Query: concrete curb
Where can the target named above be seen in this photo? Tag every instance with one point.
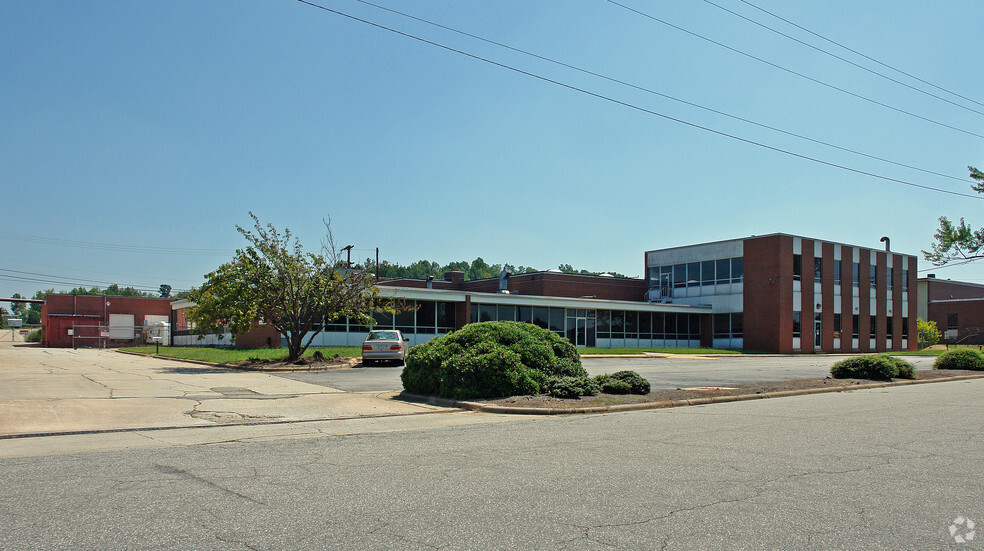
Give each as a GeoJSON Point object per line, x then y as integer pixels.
{"type": "Point", "coordinates": [488, 408]}
{"type": "Point", "coordinates": [258, 368]}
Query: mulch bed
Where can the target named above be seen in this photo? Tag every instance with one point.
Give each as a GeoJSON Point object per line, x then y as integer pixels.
{"type": "Point", "coordinates": [601, 400]}
{"type": "Point", "coordinates": [318, 362]}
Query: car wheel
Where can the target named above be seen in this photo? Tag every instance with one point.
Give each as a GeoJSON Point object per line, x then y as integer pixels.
{"type": "Point", "coordinates": [366, 363]}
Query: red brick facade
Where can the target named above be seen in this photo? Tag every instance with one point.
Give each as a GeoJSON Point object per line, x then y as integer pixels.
{"type": "Point", "coordinates": [84, 315]}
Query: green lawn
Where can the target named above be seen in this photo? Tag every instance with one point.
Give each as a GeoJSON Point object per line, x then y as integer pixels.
{"type": "Point", "coordinates": [584, 351]}
{"type": "Point", "coordinates": [226, 355]}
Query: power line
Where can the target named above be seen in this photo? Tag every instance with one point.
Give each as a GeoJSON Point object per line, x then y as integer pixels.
{"type": "Point", "coordinates": [638, 108]}
{"type": "Point", "coordinates": [52, 279]}
{"type": "Point", "coordinates": [835, 56]}
{"type": "Point", "coordinates": [869, 58]}
{"type": "Point", "coordinates": [662, 95]}
{"type": "Point", "coordinates": [113, 247]}
{"type": "Point", "coordinates": [792, 72]}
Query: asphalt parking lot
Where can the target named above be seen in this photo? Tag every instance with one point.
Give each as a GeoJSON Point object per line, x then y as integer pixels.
{"type": "Point", "coordinates": [670, 372]}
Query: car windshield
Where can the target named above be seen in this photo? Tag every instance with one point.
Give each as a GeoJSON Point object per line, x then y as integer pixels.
{"type": "Point", "coordinates": [383, 336]}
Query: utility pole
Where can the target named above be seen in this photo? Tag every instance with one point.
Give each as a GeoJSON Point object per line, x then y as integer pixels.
{"type": "Point", "coordinates": [348, 261]}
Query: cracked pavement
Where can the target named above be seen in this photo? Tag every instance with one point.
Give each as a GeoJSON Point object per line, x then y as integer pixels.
{"type": "Point", "coordinates": [44, 390]}
{"type": "Point", "coordinates": [871, 469]}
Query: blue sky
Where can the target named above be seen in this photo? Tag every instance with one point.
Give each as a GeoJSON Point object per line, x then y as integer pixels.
{"type": "Point", "coordinates": [157, 126]}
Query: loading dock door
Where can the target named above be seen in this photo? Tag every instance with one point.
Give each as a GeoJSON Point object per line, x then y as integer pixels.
{"type": "Point", "coordinates": [121, 327]}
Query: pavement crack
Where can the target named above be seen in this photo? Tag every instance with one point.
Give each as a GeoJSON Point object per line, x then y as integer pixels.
{"type": "Point", "coordinates": [185, 474]}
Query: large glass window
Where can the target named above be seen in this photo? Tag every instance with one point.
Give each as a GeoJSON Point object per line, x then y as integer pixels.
{"type": "Point", "coordinates": [707, 272]}
{"type": "Point", "coordinates": [888, 328]}
{"type": "Point", "coordinates": [658, 324]}
{"type": "Point", "coordinates": [524, 314]}
{"type": "Point", "coordinates": [507, 312]}
{"type": "Point", "coordinates": [693, 274]}
{"type": "Point", "coordinates": [670, 330]}
{"type": "Point", "coordinates": [384, 320]}
{"type": "Point", "coordinates": [797, 267]}
{"type": "Point", "coordinates": [679, 276]}
{"type": "Point", "coordinates": [487, 312]}
{"type": "Point", "coordinates": [838, 266]}
{"type": "Point", "coordinates": [445, 317]}
{"type": "Point", "coordinates": [737, 269]}
{"type": "Point", "coordinates": [856, 325]}
{"type": "Point", "coordinates": [541, 316]}
{"type": "Point", "coordinates": [426, 316]}
{"type": "Point", "coordinates": [856, 274]}
{"type": "Point", "coordinates": [952, 322]}
{"type": "Point", "coordinates": [631, 325]}
{"type": "Point", "coordinates": [618, 324]}
{"type": "Point", "coordinates": [604, 324]}
{"type": "Point", "coordinates": [405, 320]}
{"type": "Point", "coordinates": [645, 325]}
{"type": "Point", "coordinates": [888, 275]}
{"type": "Point", "coordinates": [723, 268]}
{"type": "Point", "coordinates": [797, 331]}
{"type": "Point", "coordinates": [873, 270]}
{"type": "Point", "coordinates": [873, 327]}
{"type": "Point", "coordinates": [557, 320]}
{"type": "Point", "coordinates": [737, 325]}
{"type": "Point", "coordinates": [905, 328]}
{"type": "Point", "coordinates": [817, 269]}
{"type": "Point", "coordinates": [722, 326]}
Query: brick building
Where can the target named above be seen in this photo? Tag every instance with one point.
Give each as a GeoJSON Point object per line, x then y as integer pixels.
{"type": "Point", "coordinates": [788, 294]}
{"type": "Point", "coordinates": [956, 307]}
{"type": "Point", "coordinates": [103, 321]}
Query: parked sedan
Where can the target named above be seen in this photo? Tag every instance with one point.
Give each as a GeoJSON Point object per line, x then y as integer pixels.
{"type": "Point", "coordinates": [384, 345]}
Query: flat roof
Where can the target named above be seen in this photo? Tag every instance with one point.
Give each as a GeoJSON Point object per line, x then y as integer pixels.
{"type": "Point", "coordinates": [770, 235]}
{"type": "Point", "coordinates": [456, 295]}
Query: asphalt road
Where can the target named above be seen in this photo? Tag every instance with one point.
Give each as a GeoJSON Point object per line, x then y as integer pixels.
{"type": "Point", "coordinates": [878, 469]}
{"type": "Point", "coordinates": [672, 372]}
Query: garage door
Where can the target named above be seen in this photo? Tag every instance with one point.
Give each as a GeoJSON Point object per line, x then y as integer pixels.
{"type": "Point", "coordinates": [121, 327]}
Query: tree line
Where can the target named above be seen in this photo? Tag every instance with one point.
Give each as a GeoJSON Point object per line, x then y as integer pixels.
{"type": "Point", "coordinates": [476, 269]}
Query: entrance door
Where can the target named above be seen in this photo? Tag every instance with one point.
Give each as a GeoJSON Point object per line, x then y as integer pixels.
{"type": "Point", "coordinates": [581, 327]}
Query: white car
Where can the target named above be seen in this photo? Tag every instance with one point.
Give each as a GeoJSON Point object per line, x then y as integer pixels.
{"type": "Point", "coordinates": [384, 345]}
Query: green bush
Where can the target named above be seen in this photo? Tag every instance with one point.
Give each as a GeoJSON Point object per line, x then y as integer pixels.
{"type": "Point", "coordinates": [960, 358]}
{"type": "Point", "coordinates": [873, 366]}
{"type": "Point", "coordinates": [623, 382]}
{"type": "Point", "coordinates": [490, 359]}
{"type": "Point", "coordinates": [571, 387]}
{"type": "Point", "coordinates": [33, 336]}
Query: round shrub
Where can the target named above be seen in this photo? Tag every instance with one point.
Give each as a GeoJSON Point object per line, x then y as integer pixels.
{"type": "Point", "coordinates": [960, 358]}
{"type": "Point", "coordinates": [623, 382]}
{"type": "Point", "coordinates": [489, 360]}
{"type": "Point", "coordinates": [571, 387]}
{"type": "Point", "coordinates": [872, 366]}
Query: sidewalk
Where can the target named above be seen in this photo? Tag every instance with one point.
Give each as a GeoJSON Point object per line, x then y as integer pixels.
{"type": "Point", "coordinates": [51, 390]}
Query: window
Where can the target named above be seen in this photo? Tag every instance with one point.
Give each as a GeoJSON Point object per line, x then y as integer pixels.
{"type": "Point", "coordinates": [838, 266]}
{"type": "Point", "coordinates": [541, 316]}
{"type": "Point", "coordinates": [737, 268]}
{"type": "Point", "coordinates": [446, 320]}
{"type": "Point", "coordinates": [873, 327]}
{"type": "Point", "coordinates": [905, 328]}
{"type": "Point", "coordinates": [671, 326]}
{"type": "Point", "coordinates": [905, 280]}
{"type": "Point", "coordinates": [679, 276]}
{"type": "Point", "coordinates": [426, 318]}
{"type": "Point", "coordinates": [796, 325]}
{"type": "Point", "coordinates": [524, 314]}
{"type": "Point", "coordinates": [952, 322]}
{"type": "Point", "coordinates": [632, 325]}
{"type": "Point", "coordinates": [856, 275]}
{"type": "Point", "coordinates": [557, 321]}
{"type": "Point", "coordinates": [856, 327]}
{"type": "Point", "coordinates": [405, 321]}
{"type": "Point", "coordinates": [817, 269]}
{"type": "Point", "coordinates": [645, 325]}
{"type": "Point", "coordinates": [874, 275]}
{"type": "Point", "coordinates": [797, 267]}
{"type": "Point", "coordinates": [837, 326]}
{"type": "Point", "coordinates": [723, 268]}
{"type": "Point", "coordinates": [737, 325]}
{"type": "Point", "coordinates": [618, 324]}
{"type": "Point", "coordinates": [888, 331]}
{"type": "Point", "coordinates": [604, 328]}
{"type": "Point", "coordinates": [693, 274]}
{"type": "Point", "coordinates": [889, 277]}
{"type": "Point", "coordinates": [658, 324]}
{"type": "Point", "coordinates": [507, 312]}
{"type": "Point", "coordinates": [722, 326]}
{"type": "Point", "coordinates": [707, 272]}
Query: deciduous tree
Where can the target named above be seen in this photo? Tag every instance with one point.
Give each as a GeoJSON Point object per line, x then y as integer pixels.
{"type": "Point", "coordinates": [274, 281]}
{"type": "Point", "coordinates": [958, 241]}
